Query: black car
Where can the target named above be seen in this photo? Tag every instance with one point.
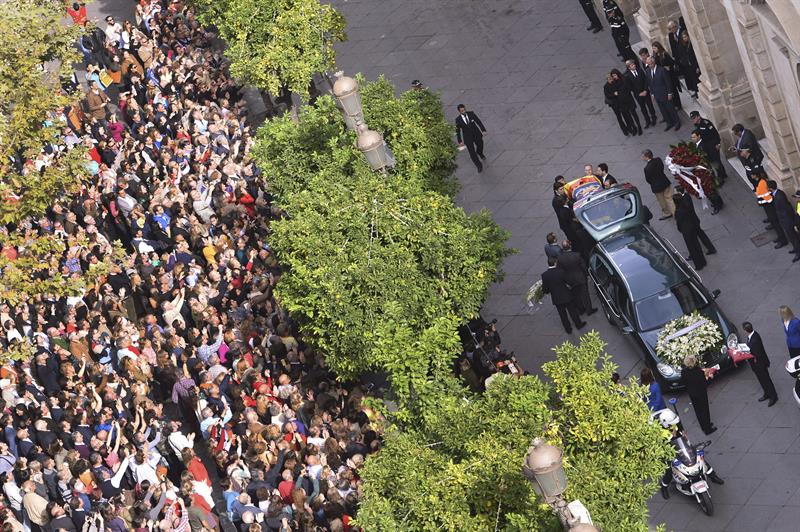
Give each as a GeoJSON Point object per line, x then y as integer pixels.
{"type": "Point", "coordinates": [643, 282]}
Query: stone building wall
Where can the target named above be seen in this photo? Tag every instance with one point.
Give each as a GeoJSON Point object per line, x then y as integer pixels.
{"type": "Point", "coordinates": [749, 53]}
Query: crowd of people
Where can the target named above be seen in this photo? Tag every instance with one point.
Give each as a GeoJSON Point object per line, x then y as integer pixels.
{"type": "Point", "coordinates": [175, 393]}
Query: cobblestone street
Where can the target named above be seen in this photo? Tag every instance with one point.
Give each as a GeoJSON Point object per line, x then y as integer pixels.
{"type": "Point", "coordinates": [534, 76]}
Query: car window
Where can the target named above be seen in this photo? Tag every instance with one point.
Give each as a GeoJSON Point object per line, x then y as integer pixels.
{"type": "Point", "coordinates": [609, 212]}
{"type": "Point", "coordinates": [655, 311]}
{"type": "Point", "coordinates": [602, 273]}
{"type": "Point", "coordinates": [622, 300]}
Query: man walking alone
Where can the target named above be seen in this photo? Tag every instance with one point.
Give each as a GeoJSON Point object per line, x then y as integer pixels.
{"type": "Point", "coordinates": [659, 183]}
{"type": "Point", "coordinates": [469, 131]}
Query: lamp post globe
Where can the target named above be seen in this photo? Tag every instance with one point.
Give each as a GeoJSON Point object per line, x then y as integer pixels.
{"type": "Point", "coordinates": [371, 144]}
{"type": "Point", "coordinates": [345, 90]}
{"type": "Point", "coordinates": [544, 467]}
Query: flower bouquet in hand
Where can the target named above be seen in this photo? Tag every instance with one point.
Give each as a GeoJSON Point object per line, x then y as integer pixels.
{"type": "Point", "coordinates": [534, 297]}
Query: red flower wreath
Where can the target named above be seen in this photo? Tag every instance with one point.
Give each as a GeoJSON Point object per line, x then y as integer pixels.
{"type": "Point", "coordinates": [687, 154]}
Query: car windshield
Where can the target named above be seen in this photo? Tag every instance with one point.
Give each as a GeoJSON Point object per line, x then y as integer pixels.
{"type": "Point", "coordinates": [684, 451]}
{"type": "Point", "coordinates": [655, 311]}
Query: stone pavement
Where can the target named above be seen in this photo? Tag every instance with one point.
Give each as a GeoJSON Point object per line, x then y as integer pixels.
{"type": "Point", "coordinates": [534, 76]}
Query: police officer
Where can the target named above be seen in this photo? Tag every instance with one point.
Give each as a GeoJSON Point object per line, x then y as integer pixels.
{"type": "Point", "coordinates": [621, 34]}
{"type": "Point", "coordinates": [594, 22]}
{"type": "Point", "coordinates": [712, 141]}
{"type": "Point", "coordinates": [752, 164]}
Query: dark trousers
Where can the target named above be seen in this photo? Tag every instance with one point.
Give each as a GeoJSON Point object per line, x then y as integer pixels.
{"type": "Point", "coordinates": [568, 309]}
{"type": "Point", "coordinates": [719, 168]}
{"type": "Point", "coordinates": [700, 404]}
{"type": "Point", "coordinates": [588, 8]}
{"type": "Point", "coordinates": [791, 236]}
{"type": "Point", "coordinates": [580, 295]}
{"type": "Point", "coordinates": [648, 111]}
{"type": "Point", "coordinates": [628, 119]}
{"type": "Point", "coordinates": [475, 149]}
{"type": "Point", "coordinates": [622, 38]}
{"type": "Point", "coordinates": [691, 238]}
{"type": "Point", "coordinates": [762, 374]}
{"type": "Point", "coordinates": [705, 240]}
{"type": "Point", "coordinates": [668, 112]}
{"type": "Point", "coordinates": [772, 216]}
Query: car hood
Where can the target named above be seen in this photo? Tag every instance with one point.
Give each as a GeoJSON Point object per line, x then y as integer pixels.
{"type": "Point", "coordinates": [711, 312]}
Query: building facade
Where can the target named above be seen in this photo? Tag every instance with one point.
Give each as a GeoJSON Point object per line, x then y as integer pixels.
{"type": "Point", "coordinates": [749, 55]}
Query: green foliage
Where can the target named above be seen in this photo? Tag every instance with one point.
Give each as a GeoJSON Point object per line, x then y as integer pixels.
{"type": "Point", "coordinates": [612, 451]}
{"type": "Point", "coordinates": [461, 470]}
{"type": "Point", "coordinates": [381, 270]}
{"type": "Point", "coordinates": [276, 43]}
{"type": "Point", "coordinates": [38, 51]}
{"type": "Point", "coordinates": [475, 446]}
{"type": "Point", "coordinates": [36, 271]}
{"type": "Point", "coordinates": [415, 127]}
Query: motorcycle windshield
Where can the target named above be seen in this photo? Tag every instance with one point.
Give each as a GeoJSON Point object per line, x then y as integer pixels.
{"type": "Point", "coordinates": [685, 452]}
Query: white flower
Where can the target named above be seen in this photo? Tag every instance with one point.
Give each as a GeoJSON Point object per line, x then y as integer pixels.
{"type": "Point", "coordinates": [535, 293]}
{"type": "Point", "coordinates": [688, 334]}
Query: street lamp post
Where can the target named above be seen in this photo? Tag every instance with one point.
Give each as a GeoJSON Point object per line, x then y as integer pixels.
{"type": "Point", "coordinates": [544, 467]}
{"type": "Point", "coordinates": [369, 142]}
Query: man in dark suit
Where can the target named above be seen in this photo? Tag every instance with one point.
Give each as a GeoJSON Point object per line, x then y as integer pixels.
{"type": "Point", "coordinates": [660, 85]}
{"type": "Point", "coordinates": [637, 81]}
{"type": "Point", "coordinates": [576, 274]}
{"type": "Point", "coordinates": [554, 283]}
{"type": "Point", "coordinates": [760, 364]}
{"type": "Point", "coordinates": [659, 183]}
{"type": "Point", "coordinates": [746, 139]}
{"type": "Point", "coordinates": [470, 131]}
{"type": "Point", "coordinates": [689, 227]}
{"type": "Point", "coordinates": [591, 14]}
{"type": "Point", "coordinates": [787, 217]}
{"type": "Point", "coordinates": [712, 141]}
{"type": "Point", "coordinates": [675, 31]}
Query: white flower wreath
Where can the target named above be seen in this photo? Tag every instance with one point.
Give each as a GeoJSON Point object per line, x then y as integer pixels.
{"type": "Point", "coordinates": [689, 334]}
{"type": "Point", "coordinates": [535, 293]}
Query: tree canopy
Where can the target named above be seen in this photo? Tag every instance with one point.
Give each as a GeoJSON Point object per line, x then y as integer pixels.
{"type": "Point", "coordinates": [274, 44]}
{"type": "Point", "coordinates": [381, 270]}
{"type": "Point", "coordinates": [460, 468]}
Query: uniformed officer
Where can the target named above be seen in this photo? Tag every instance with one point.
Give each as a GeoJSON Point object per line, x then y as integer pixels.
{"type": "Point", "coordinates": [594, 22]}
{"type": "Point", "coordinates": [752, 164]}
{"type": "Point", "coordinates": [621, 33]}
{"type": "Point", "coordinates": [711, 138]}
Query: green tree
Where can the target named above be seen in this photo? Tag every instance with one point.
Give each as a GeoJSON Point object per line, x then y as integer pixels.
{"type": "Point", "coordinates": [38, 52]}
{"type": "Point", "coordinates": [461, 463]}
{"type": "Point", "coordinates": [276, 44]}
{"type": "Point", "coordinates": [381, 269]}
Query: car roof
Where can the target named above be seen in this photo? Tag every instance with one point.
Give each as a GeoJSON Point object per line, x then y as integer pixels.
{"type": "Point", "coordinates": [644, 263]}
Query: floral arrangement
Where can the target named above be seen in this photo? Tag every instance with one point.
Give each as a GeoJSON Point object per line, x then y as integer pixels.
{"type": "Point", "coordinates": [534, 296]}
{"type": "Point", "coordinates": [689, 334]}
{"type": "Point", "coordinates": [688, 155]}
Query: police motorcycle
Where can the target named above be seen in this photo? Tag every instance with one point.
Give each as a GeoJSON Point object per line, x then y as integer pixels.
{"type": "Point", "coordinates": [793, 369]}
{"type": "Point", "coordinates": [689, 471]}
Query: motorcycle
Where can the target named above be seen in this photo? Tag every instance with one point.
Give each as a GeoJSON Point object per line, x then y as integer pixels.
{"type": "Point", "coordinates": [689, 471]}
{"type": "Point", "coordinates": [793, 369]}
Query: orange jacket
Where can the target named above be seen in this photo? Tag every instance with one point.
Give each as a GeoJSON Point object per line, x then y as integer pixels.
{"type": "Point", "coordinates": [763, 195]}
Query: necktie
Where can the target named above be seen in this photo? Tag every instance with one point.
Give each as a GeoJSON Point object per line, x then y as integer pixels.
{"type": "Point", "coordinates": [635, 75]}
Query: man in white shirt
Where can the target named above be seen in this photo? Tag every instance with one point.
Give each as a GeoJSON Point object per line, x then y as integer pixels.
{"type": "Point", "coordinates": [113, 31]}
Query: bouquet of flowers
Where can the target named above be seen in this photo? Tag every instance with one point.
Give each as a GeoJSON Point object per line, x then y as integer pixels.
{"type": "Point", "coordinates": [534, 296]}
{"type": "Point", "coordinates": [689, 334]}
{"type": "Point", "coordinates": [689, 156]}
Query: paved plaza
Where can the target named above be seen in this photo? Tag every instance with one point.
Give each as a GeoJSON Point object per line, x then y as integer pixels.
{"type": "Point", "coordinates": [534, 76]}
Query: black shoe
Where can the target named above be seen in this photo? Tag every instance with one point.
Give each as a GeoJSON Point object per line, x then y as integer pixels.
{"type": "Point", "coordinates": [779, 245]}
{"type": "Point", "coordinates": [580, 325]}
{"type": "Point", "coordinates": [711, 251]}
{"type": "Point", "coordinates": [762, 398]}
{"type": "Point", "coordinates": [765, 221]}
{"type": "Point", "coordinates": [597, 29]}
{"type": "Point", "coordinates": [665, 492]}
{"type": "Point", "coordinates": [482, 156]}
{"type": "Point", "coordinates": [713, 477]}
{"type": "Point", "coordinates": [591, 27]}
{"type": "Point", "coordinates": [569, 331]}
{"type": "Point", "coordinates": [769, 227]}
{"type": "Point", "coordinates": [678, 126]}
{"type": "Point", "coordinates": [714, 211]}
{"type": "Point", "coordinates": [669, 126]}
{"type": "Point", "coordinates": [712, 431]}
{"type": "Point", "coordinates": [796, 258]}
{"type": "Point", "coordinates": [625, 133]}
{"type": "Point", "coordinates": [593, 310]}
{"type": "Point", "coordinates": [480, 169]}
{"type": "Point", "coordinates": [772, 402]}
{"type": "Point", "coordinates": [640, 130]}
{"type": "Point", "coordinates": [667, 217]}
